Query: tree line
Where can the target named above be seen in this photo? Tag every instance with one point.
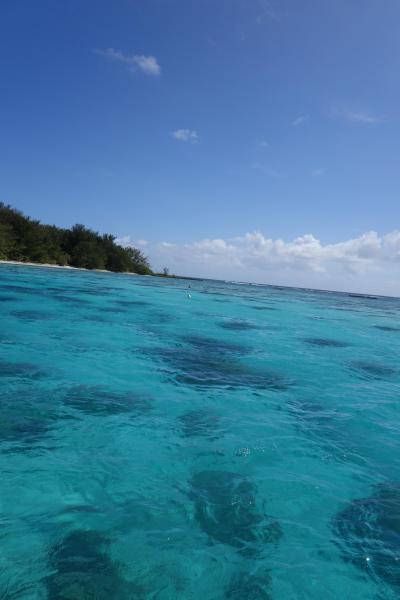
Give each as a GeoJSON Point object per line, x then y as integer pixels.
{"type": "Point", "coordinates": [27, 240]}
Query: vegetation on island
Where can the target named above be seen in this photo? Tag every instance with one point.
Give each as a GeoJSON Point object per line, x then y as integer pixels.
{"type": "Point", "coordinates": [26, 240]}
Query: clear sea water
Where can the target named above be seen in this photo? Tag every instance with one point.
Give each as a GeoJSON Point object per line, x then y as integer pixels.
{"type": "Point", "coordinates": [239, 444]}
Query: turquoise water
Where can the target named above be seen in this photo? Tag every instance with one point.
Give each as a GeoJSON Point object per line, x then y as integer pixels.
{"type": "Point", "coordinates": [239, 444]}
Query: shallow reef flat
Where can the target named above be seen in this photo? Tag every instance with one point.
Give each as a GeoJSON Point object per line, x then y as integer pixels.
{"type": "Point", "coordinates": [239, 444]}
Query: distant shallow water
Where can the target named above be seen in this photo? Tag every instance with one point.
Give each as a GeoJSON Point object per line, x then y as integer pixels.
{"type": "Point", "coordinates": [242, 443]}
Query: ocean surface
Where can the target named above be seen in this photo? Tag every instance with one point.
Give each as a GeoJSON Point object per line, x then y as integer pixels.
{"type": "Point", "coordinates": [241, 443]}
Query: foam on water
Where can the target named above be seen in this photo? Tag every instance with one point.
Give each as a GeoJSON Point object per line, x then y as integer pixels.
{"type": "Point", "coordinates": [241, 443]}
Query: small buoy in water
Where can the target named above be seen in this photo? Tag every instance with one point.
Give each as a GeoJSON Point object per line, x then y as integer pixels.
{"type": "Point", "coordinates": [189, 296]}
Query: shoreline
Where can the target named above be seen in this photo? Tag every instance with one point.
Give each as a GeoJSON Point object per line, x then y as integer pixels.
{"type": "Point", "coordinates": [188, 278]}
{"type": "Point", "coordinates": [68, 267]}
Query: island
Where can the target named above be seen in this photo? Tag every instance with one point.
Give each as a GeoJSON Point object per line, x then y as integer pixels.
{"type": "Point", "coordinates": [26, 240]}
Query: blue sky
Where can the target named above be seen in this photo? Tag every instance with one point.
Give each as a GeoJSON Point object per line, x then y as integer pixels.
{"type": "Point", "coordinates": [195, 122]}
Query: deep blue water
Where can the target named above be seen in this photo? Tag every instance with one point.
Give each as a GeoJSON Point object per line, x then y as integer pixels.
{"type": "Point", "coordinates": [239, 444]}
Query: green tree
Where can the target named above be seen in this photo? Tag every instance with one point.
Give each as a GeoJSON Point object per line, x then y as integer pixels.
{"type": "Point", "coordinates": [139, 262]}
{"type": "Point", "coordinates": [25, 239]}
{"type": "Point", "coordinates": [89, 255]}
{"type": "Point", "coordinates": [7, 241]}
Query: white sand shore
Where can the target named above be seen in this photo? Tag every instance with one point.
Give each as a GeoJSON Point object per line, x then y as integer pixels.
{"type": "Point", "coordinates": [31, 264]}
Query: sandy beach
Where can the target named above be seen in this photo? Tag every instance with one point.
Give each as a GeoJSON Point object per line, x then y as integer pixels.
{"type": "Point", "coordinates": [69, 268]}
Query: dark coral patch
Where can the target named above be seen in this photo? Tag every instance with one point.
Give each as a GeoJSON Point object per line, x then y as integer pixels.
{"type": "Point", "coordinates": [20, 370]}
{"type": "Point", "coordinates": [20, 289]}
{"type": "Point", "coordinates": [111, 309]}
{"type": "Point", "coordinates": [387, 328]}
{"type": "Point", "coordinates": [200, 423]}
{"type": "Point", "coordinates": [244, 586]}
{"type": "Point", "coordinates": [132, 303]}
{"type": "Point", "coordinates": [207, 368]}
{"type": "Point", "coordinates": [226, 510]}
{"type": "Point", "coordinates": [72, 300]}
{"type": "Point", "coordinates": [150, 319]}
{"type": "Point", "coordinates": [217, 346]}
{"type": "Point", "coordinates": [26, 422]}
{"type": "Point", "coordinates": [96, 318]}
{"type": "Point", "coordinates": [96, 291]}
{"type": "Point", "coordinates": [28, 428]}
{"type": "Point", "coordinates": [33, 315]}
{"type": "Point", "coordinates": [237, 325]}
{"type": "Point", "coordinates": [368, 533]}
{"type": "Point", "coordinates": [102, 402]}
{"type": "Point", "coordinates": [373, 370]}
{"type": "Point", "coordinates": [82, 569]}
{"type": "Point", "coordinates": [325, 342]}
{"type": "Point", "coordinates": [9, 298]}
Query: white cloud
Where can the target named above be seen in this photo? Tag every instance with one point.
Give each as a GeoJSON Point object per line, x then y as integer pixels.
{"type": "Point", "coordinates": [186, 135]}
{"type": "Point", "coordinates": [299, 121]}
{"type": "Point", "coordinates": [368, 263]}
{"type": "Point", "coordinates": [360, 117]}
{"type": "Point", "coordinates": [126, 241]}
{"type": "Point", "coordinates": [146, 64]}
